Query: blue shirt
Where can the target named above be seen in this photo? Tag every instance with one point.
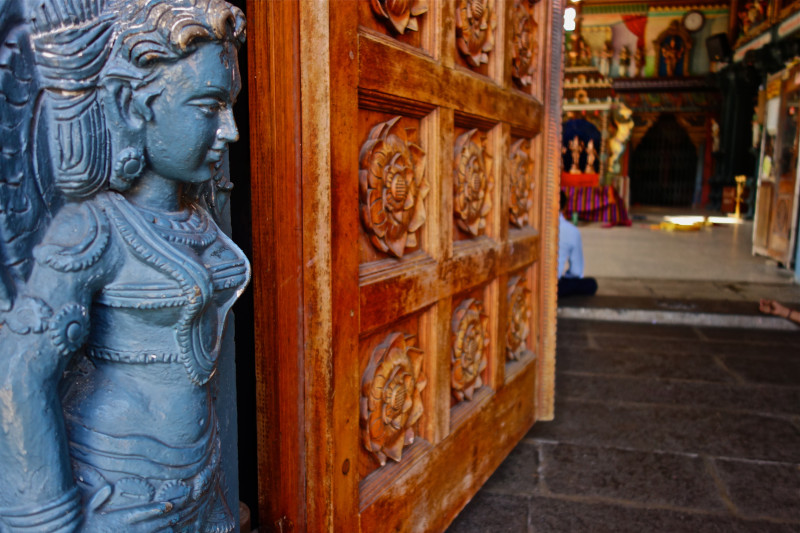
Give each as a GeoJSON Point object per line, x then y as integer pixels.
{"type": "Point", "coordinates": [570, 249]}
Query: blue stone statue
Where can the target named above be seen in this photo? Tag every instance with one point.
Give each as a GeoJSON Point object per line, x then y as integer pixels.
{"type": "Point", "coordinates": [115, 279]}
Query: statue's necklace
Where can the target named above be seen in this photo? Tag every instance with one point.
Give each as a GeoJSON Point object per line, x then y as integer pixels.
{"type": "Point", "coordinates": [188, 226]}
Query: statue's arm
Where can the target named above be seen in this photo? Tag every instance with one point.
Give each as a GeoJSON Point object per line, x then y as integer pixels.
{"type": "Point", "coordinates": [48, 322]}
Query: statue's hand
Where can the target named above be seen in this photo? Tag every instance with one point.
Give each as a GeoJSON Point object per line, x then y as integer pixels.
{"type": "Point", "coordinates": [146, 518]}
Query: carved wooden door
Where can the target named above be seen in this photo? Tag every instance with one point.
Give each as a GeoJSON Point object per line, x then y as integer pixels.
{"type": "Point", "coordinates": [414, 225]}
{"type": "Point", "coordinates": [784, 212]}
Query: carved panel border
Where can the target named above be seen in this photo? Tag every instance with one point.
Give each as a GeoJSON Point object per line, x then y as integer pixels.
{"type": "Point", "coordinates": [386, 296]}
{"type": "Point", "coordinates": [411, 77]}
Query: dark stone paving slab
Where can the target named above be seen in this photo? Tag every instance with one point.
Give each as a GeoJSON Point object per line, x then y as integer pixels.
{"type": "Point", "coordinates": [663, 479]}
{"type": "Point", "coordinates": [766, 399]}
{"type": "Point", "coordinates": [753, 350]}
{"type": "Point", "coordinates": [646, 364]}
{"type": "Point", "coordinates": [629, 329]}
{"type": "Point", "coordinates": [661, 428]}
{"type": "Point", "coordinates": [573, 345]}
{"type": "Point", "coordinates": [746, 335]}
{"type": "Point", "coordinates": [551, 515]}
{"type": "Point", "coordinates": [740, 307]}
{"type": "Point", "coordinates": [762, 370]}
{"type": "Point", "coordinates": [519, 473]}
{"type": "Point", "coordinates": [762, 489]}
{"type": "Point", "coordinates": [657, 429]}
{"type": "Point", "coordinates": [491, 513]}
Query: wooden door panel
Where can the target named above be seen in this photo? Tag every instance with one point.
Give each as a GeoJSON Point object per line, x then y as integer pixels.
{"type": "Point", "coordinates": [763, 217]}
{"type": "Point", "coordinates": [427, 176]}
{"type": "Point", "coordinates": [782, 226]}
{"type": "Point", "coordinates": [457, 300]}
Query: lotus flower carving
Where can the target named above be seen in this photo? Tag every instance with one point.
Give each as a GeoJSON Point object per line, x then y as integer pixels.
{"type": "Point", "coordinates": [392, 188]}
{"type": "Point", "coordinates": [391, 399]}
{"type": "Point", "coordinates": [520, 170]}
{"type": "Point", "coordinates": [475, 25]}
{"type": "Point", "coordinates": [400, 15]}
{"type": "Point", "coordinates": [472, 183]}
{"type": "Point", "coordinates": [525, 45]}
{"type": "Point", "coordinates": [470, 344]}
{"type": "Point", "coordinates": [519, 317]}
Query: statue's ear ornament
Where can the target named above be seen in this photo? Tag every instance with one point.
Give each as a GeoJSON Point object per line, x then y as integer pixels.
{"type": "Point", "coordinates": [128, 166]}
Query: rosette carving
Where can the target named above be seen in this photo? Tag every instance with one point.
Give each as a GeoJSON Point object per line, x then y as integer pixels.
{"type": "Point", "coordinates": [475, 25]}
{"type": "Point", "coordinates": [391, 400]}
{"type": "Point", "coordinates": [519, 316]}
{"type": "Point", "coordinates": [471, 339]}
{"type": "Point", "coordinates": [472, 182]}
{"type": "Point", "coordinates": [401, 15]}
{"type": "Point", "coordinates": [392, 188]}
{"type": "Point", "coordinates": [525, 47]}
{"type": "Point", "coordinates": [520, 170]}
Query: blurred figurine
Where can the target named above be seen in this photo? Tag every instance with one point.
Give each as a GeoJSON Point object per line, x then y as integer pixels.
{"type": "Point", "coordinates": [623, 118]}
{"type": "Point", "coordinates": [714, 136]}
{"type": "Point", "coordinates": [586, 54]}
{"type": "Point", "coordinates": [575, 148]}
{"type": "Point", "coordinates": [672, 53]}
{"type": "Point", "coordinates": [751, 15]}
{"type": "Point", "coordinates": [591, 157]}
{"type": "Point", "coordinates": [638, 62]}
{"type": "Point", "coordinates": [624, 61]}
{"type": "Point", "coordinates": [605, 59]}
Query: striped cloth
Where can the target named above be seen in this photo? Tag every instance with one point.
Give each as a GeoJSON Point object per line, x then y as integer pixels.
{"type": "Point", "coordinates": [596, 204]}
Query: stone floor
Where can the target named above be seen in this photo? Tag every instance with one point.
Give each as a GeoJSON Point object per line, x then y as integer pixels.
{"type": "Point", "coordinates": [662, 428]}
{"type": "Point", "coordinates": [721, 253]}
{"type": "Point", "coordinates": [658, 429]}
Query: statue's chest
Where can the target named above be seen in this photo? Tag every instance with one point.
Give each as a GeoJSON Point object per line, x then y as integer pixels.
{"type": "Point", "coordinates": [178, 276]}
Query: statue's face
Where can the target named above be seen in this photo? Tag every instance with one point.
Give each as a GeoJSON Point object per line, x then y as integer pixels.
{"type": "Point", "coordinates": [192, 117]}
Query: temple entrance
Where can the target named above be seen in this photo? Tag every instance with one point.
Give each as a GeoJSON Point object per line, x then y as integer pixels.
{"type": "Point", "coordinates": [664, 166]}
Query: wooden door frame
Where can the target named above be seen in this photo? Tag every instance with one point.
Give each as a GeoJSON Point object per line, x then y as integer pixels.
{"type": "Point", "coordinates": [296, 113]}
{"type": "Point", "coordinates": [276, 197]}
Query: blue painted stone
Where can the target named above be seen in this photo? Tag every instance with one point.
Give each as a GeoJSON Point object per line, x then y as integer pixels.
{"type": "Point", "coordinates": [116, 280]}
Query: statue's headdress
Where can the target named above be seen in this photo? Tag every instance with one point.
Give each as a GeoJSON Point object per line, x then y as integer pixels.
{"type": "Point", "coordinates": [79, 44]}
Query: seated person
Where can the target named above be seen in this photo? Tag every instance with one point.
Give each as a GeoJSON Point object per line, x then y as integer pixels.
{"type": "Point", "coordinates": [570, 250]}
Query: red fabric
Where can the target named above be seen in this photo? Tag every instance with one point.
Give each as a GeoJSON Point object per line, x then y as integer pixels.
{"type": "Point", "coordinates": [596, 204]}
{"type": "Point", "coordinates": [579, 180]}
{"type": "Point", "coordinates": [636, 24]}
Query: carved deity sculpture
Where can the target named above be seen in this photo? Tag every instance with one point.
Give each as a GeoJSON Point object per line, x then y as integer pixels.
{"type": "Point", "coordinates": [751, 15]}
{"type": "Point", "coordinates": [624, 62]}
{"type": "Point", "coordinates": [672, 52]}
{"type": "Point", "coordinates": [606, 54]}
{"type": "Point", "coordinates": [591, 157]}
{"type": "Point", "coordinates": [116, 280]}
{"type": "Point", "coordinates": [638, 62]}
{"type": "Point", "coordinates": [576, 148]}
{"type": "Point", "coordinates": [623, 120]}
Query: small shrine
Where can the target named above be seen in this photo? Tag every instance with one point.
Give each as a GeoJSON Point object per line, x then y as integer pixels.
{"type": "Point", "coordinates": [636, 79]}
